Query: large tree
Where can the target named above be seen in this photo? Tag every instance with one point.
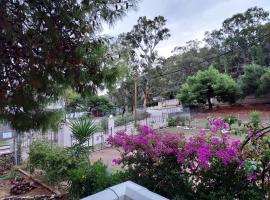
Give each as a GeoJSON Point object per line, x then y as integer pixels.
{"type": "Point", "coordinates": [142, 41]}
{"type": "Point", "coordinates": [201, 87]}
{"type": "Point", "coordinates": [264, 87]}
{"type": "Point", "coordinates": [250, 81]}
{"type": "Point", "coordinates": [46, 46]}
{"type": "Point", "coordinates": [243, 35]}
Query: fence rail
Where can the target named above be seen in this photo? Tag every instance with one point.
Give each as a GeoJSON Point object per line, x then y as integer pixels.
{"type": "Point", "coordinates": [63, 137]}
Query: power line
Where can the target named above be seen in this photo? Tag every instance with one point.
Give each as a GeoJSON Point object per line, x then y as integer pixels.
{"type": "Point", "coordinates": [213, 57]}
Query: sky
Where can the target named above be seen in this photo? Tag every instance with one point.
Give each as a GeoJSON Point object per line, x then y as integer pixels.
{"type": "Point", "coordinates": [186, 19]}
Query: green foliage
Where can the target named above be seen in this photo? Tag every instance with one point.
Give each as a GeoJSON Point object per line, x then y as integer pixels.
{"type": "Point", "coordinates": [221, 182]}
{"type": "Point", "coordinates": [104, 124]}
{"type": "Point", "coordinates": [53, 160]}
{"type": "Point", "coordinates": [255, 121]}
{"type": "Point", "coordinates": [175, 121]}
{"type": "Point", "coordinates": [141, 43]}
{"type": "Point", "coordinates": [250, 81]}
{"type": "Point", "coordinates": [205, 85]}
{"type": "Point", "coordinates": [89, 179]}
{"type": "Point", "coordinates": [120, 121]}
{"type": "Point", "coordinates": [89, 103]}
{"type": "Point", "coordinates": [172, 122]}
{"type": "Point", "coordinates": [61, 164]}
{"type": "Point", "coordinates": [247, 31]}
{"type": "Point", "coordinates": [265, 83]}
{"type": "Point", "coordinates": [9, 176]}
{"type": "Point", "coordinates": [82, 130]}
{"type": "Point", "coordinates": [51, 46]}
{"type": "Point", "coordinates": [231, 120]}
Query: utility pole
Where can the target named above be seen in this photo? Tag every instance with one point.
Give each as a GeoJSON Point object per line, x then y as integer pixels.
{"type": "Point", "coordinates": [135, 99]}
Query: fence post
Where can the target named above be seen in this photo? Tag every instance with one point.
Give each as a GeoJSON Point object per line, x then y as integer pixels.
{"type": "Point", "coordinates": [111, 124]}
{"type": "Point", "coordinates": [125, 119]}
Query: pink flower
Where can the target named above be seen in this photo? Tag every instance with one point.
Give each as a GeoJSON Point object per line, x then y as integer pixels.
{"type": "Point", "coordinates": [251, 177]}
{"type": "Point", "coordinates": [227, 155]}
{"type": "Point", "coordinates": [204, 154]}
{"type": "Point", "coordinates": [116, 161]}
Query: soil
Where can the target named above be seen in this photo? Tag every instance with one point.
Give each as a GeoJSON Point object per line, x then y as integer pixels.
{"type": "Point", "coordinates": [5, 186]}
{"type": "Point", "coordinates": [106, 155]}
{"type": "Point", "coordinates": [198, 120]}
{"type": "Point", "coordinates": [241, 111]}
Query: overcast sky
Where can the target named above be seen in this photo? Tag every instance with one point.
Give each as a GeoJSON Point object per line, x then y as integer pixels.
{"type": "Point", "coordinates": [186, 19]}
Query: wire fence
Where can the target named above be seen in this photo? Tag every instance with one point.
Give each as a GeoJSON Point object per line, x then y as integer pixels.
{"type": "Point", "coordinates": [63, 136]}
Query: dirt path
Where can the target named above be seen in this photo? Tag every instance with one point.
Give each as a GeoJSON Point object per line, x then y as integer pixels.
{"type": "Point", "coordinates": [106, 155]}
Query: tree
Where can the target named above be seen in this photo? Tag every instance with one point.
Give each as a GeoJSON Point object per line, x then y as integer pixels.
{"type": "Point", "coordinates": [47, 46]}
{"type": "Point", "coordinates": [265, 83]}
{"type": "Point", "coordinates": [205, 85]}
{"type": "Point", "coordinates": [250, 81]}
{"type": "Point", "coordinates": [82, 130]}
{"type": "Point", "coordinates": [243, 35]}
{"type": "Point", "coordinates": [142, 41]}
{"type": "Point", "coordinates": [89, 104]}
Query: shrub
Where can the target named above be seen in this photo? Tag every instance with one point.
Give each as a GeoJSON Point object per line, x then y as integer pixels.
{"type": "Point", "coordinates": [120, 121]}
{"type": "Point", "coordinates": [61, 165]}
{"type": "Point", "coordinates": [255, 121]}
{"type": "Point", "coordinates": [231, 120]}
{"type": "Point", "coordinates": [250, 81]}
{"type": "Point", "coordinates": [172, 122]}
{"type": "Point", "coordinates": [181, 121]}
{"type": "Point", "coordinates": [53, 160]}
{"type": "Point", "coordinates": [89, 179]}
{"type": "Point", "coordinates": [206, 166]}
{"type": "Point", "coordinates": [146, 154]}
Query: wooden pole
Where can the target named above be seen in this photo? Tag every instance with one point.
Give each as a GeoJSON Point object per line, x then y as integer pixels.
{"type": "Point", "coordinates": [135, 100]}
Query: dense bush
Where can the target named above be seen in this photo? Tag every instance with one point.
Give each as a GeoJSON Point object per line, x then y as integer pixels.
{"type": "Point", "coordinates": [177, 121]}
{"type": "Point", "coordinates": [120, 121]}
{"type": "Point", "coordinates": [255, 80]}
{"type": "Point", "coordinates": [60, 164]}
{"type": "Point", "coordinates": [210, 165]}
{"type": "Point", "coordinates": [88, 179]}
{"type": "Point", "coordinates": [53, 160]}
{"type": "Point", "coordinates": [172, 122]}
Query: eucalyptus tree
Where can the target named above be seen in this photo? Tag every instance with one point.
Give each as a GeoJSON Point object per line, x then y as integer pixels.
{"type": "Point", "coordinates": [142, 41]}
{"type": "Point", "coordinates": [243, 35]}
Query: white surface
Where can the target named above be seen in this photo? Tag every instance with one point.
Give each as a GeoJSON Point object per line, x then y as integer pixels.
{"type": "Point", "coordinates": [7, 135]}
{"type": "Point", "coordinates": [127, 189]}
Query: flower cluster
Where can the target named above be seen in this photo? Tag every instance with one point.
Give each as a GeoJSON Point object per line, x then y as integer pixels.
{"type": "Point", "coordinates": [218, 124]}
{"type": "Point", "coordinates": [197, 153]}
{"type": "Point", "coordinates": [168, 162]}
{"type": "Point", "coordinates": [148, 144]}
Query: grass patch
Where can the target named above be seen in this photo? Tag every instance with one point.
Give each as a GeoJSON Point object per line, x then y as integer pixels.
{"type": "Point", "coordinates": [10, 175]}
{"type": "Point", "coordinates": [4, 143]}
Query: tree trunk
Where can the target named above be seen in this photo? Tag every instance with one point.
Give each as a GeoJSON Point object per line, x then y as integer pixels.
{"type": "Point", "coordinates": [145, 98]}
{"type": "Point", "coordinates": [210, 104]}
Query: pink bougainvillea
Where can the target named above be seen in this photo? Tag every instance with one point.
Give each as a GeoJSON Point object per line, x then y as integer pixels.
{"type": "Point", "coordinates": [198, 152]}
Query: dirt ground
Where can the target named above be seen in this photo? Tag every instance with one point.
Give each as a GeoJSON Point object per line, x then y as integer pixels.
{"type": "Point", "coordinates": [106, 155]}
{"type": "Point", "coordinates": [198, 121]}
{"type": "Point", "coordinates": [5, 186]}
{"type": "Point", "coordinates": [241, 111]}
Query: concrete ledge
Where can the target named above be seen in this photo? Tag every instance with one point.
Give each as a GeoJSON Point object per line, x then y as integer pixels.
{"type": "Point", "coordinates": [126, 191]}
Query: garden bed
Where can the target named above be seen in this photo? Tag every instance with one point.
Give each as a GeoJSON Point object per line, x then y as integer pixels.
{"type": "Point", "coordinates": [35, 189]}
